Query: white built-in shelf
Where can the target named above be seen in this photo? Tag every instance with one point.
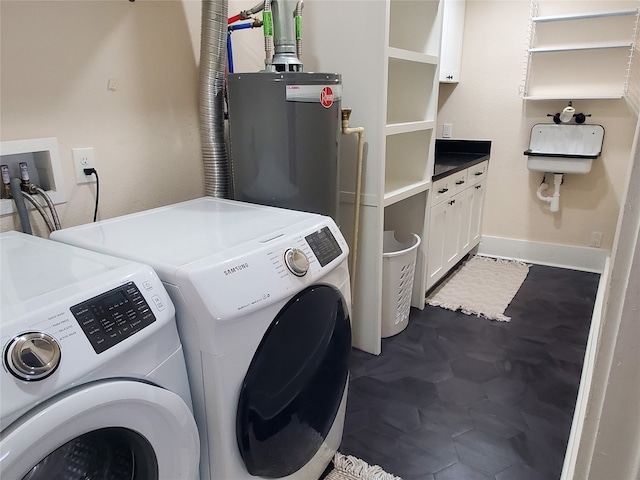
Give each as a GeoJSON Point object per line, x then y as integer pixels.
{"type": "Point", "coordinates": [584, 16]}
{"type": "Point", "coordinates": [407, 127]}
{"type": "Point", "coordinates": [397, 191]}
{"type": "Point", "coordinates": [411, 56]}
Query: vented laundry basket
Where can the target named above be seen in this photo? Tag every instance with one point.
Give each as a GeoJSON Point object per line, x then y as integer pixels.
{"type": "Point", "coordinates": [398, 268]}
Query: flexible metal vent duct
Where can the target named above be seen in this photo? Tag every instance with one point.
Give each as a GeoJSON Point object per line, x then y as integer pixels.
{"type": "Point", "coordinates": [213, 41]}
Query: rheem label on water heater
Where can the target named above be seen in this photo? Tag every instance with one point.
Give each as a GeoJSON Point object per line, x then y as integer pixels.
{"type": "Point", "coordinates": [326, 95]}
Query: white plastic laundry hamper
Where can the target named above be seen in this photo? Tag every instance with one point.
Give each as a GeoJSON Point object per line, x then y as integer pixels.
{"type": "Point", "coordinates": [398, 268]}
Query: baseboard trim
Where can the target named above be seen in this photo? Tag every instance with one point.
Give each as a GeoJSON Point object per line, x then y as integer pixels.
{"type": "Point", "coordinates": [580, 412]}
{"type": "Point", "coordinates": [585, 259]}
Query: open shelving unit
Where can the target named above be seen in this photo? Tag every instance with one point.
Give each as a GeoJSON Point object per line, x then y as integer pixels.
{"type": "Point", "coordinates": [580, 55]}
{"type": "Point", "coordinates": [390, 67]}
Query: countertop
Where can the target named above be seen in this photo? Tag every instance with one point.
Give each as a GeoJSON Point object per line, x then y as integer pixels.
{"type": "Point", "coordinates": [455, 155]}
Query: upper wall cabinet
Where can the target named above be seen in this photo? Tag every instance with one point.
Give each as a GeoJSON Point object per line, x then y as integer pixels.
{"type": "Point", "coordinates": [580, 54]}
{"type": "Point", "coordinates": [452, 36]}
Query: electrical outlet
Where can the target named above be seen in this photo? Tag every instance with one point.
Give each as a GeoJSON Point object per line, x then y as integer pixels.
{"type": "Point", "coordinates": [596, 239]}
{"type": "Point", "coordinates": [447, 129]}
{"type": "Point", "coordinates": [84, 158]}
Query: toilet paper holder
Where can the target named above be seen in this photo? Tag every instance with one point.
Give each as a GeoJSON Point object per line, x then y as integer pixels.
{"type": "Point", "coordinates": [567, 114]}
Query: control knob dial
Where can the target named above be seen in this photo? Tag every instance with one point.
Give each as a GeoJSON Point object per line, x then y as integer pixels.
{"type": "Point", "coordinates": [296, 261]}
{"type": "Point", "coordinates": [32, 356]}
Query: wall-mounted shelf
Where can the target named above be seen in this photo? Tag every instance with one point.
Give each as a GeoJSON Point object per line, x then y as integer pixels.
{"type": "Point", "coordinates": [576, 55]}
{"type": "Point", "coordinates": [586, 15]}
{"type": "Point", "coordinates": [574, 97]}
{"type": "Point", "coordinates": [586, 46]}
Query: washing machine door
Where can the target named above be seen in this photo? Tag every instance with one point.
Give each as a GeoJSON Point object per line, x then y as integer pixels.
{"type": "Point", "coordinates": [112, 429]}
{"type": "Point", "coordinates": [295, 382]}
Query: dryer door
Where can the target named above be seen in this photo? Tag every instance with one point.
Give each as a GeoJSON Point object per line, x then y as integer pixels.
{"type": "Point", "coordinates": [292, 391]}
{"type": "Point", "coordinates": [114, 429]}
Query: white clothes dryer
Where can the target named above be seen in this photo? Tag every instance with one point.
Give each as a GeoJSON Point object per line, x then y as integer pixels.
{"type": "Point", "coordinates": [93, 376]}
{"type": "Point", "coordinates": [262, 299]}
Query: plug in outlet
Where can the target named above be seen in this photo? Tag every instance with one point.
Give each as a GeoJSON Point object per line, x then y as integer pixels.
{"type": "Point", "coordinates": [84, 158]}
{"type": "Point", "coordinates": [596, 239]}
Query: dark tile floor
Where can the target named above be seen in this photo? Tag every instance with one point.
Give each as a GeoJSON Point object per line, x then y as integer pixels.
{"type": "Point", "coordinates": [457, 397]}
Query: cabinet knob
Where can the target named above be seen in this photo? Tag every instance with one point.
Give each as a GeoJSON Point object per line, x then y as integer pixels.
{"type": "Point", "coordinates": [443, 190]}
{"type": "Point", "coordinates": [459, 182]}
{"type": "Point", "coordinates": [452, 202]}
{"type": "Point", "coordinates": [478, 187]}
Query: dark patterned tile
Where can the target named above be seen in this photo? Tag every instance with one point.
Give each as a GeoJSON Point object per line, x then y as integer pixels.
{"type": "Point", "coordinates": [446, 418]}
{"type": "Point", "coordinates": [474, 370]}
{"type": "Point", "coordinates": [433, 372]}
{"type": "Point", "coordinates": [460, 392]}
{"type": "Point", "coordinates": [460, 471]}
{"type": "Point", "coordinates": [414, 391]}
{"type": "Point", "coordinates": [547, 419]}
{"type": "Point", "coordinates": [545, 454]}
{"type": "Point", "coordinates": [434, 450]}
{"type": "Point", "coordinates": [501, 420]}
{"type": "Point", "coordinates": [505, 390]}
{"type": "Point", "coordinates": [523, 472]}
{"type": "Point", "coordinates": [406, 409]}
{"type": "Point", "coordinates": [568, 352]}
{"type": "Point", "coordinates": [394, 418]}
{"type": "Point", "coordinates": [485, 452]}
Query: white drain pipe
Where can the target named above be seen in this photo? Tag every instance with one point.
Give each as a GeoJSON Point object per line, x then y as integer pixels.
{"type": "Point", "coordinates": [555, 199]}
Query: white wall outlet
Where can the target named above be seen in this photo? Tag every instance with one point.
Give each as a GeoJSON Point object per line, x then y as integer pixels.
{"type": "Point", "coordinates": [84, 158]}
{"type": "Point", "coordinates": [447, 130]}
{"type": "Point", "coordinates": [596, 239]}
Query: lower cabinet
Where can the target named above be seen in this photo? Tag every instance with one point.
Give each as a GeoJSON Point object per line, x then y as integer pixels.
{"type": "Point", "coordinates": [455, 220]}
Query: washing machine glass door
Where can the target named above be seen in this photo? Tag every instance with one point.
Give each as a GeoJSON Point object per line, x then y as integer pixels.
{"type": "Point", "coordinates": [293, 387]}
{"type": "Point", "coordinates": [118, 429]}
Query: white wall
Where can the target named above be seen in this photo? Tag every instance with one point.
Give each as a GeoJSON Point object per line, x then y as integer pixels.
{"type": "Point", "coordinates": [610, 446]}
{"type": "Point", "coordinates": [56, 60]}
{"type": "Point", "coordinates": [486, 104]}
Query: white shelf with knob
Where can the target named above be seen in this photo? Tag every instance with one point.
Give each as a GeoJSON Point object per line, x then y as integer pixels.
{"type": "Point", "coordinates": [390, 66]}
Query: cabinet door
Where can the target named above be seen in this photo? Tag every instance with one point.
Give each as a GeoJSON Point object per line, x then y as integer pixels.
{"type": "Point", "coordinates": [436, 265]}
{"type": "Point", "coordinates": [464, 236]}
{"type": "Point", "coordinates": [453, 219]}
{"type": "Point", "coordinates": [452, 35]}
{"type": "Point", "coordinates": [476, 200]}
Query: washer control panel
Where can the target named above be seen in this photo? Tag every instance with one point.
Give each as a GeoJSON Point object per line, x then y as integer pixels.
{"type": "Point", "coordinates": [113, 316]}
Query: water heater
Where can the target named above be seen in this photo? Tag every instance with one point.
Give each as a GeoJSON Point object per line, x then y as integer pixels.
{"type": "Point", "coordinates": [284, 131]}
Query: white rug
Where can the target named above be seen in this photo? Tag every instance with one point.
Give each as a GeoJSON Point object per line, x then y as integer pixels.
{"type": "Point", "coordinates": [482, 286]}
{"type": "Point", "coordinates": [346, 467]}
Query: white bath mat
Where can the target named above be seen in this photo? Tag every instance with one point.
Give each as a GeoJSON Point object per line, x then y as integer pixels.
{"type": "Point", "coordinates": [482, 286]}
{"type": "Point", "coordinates": [347, 467]}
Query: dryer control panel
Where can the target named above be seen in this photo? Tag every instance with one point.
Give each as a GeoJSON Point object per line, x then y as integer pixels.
{"type": "Point", "coordinates": [109, 318]}
{"type": "Point", "coordinates": [324, 246]}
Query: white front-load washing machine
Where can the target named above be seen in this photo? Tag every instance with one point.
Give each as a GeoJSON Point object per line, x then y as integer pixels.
{"type": "Point", "coordinates": [262, 300]}
{"type": "Point", "coordinates": [93, 379]}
